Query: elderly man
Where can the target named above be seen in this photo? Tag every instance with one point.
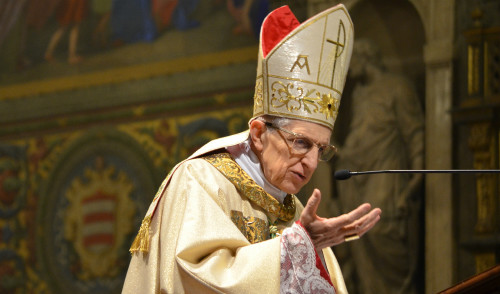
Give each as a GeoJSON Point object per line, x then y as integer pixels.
{"type": "Point", "coordinates": [225, 220]}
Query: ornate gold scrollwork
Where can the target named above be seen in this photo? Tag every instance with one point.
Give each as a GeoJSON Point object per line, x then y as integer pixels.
{"type": "Point", "coordinates": [296, 99]}
{"type": "Point", "coordinates": [258, 96]}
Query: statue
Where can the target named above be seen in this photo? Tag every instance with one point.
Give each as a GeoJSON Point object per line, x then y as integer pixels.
{"type": "Point", "coordinates": [386, 132]}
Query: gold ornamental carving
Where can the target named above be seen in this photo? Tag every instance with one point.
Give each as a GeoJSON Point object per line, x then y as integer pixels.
{"type": "Point", "coordinates": [484, 261]}
{"type": "Point", "coordinates": [482, 143]}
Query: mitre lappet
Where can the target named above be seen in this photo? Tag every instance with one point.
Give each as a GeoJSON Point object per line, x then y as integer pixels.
{"type": "Point", "coordinates": [302, 68]}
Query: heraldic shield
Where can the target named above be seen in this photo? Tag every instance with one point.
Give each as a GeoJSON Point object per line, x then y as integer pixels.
{"type": "Point", "coordinates": [98, 219]}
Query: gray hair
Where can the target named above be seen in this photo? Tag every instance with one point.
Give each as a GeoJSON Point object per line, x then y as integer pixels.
{"type": "Point", "coordinates": [277, 121]}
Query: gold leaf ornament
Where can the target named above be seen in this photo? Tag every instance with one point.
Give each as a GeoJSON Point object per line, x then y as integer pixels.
{"type": "Point", "coordinates": [327, 104]}
{"type": "Point", "coordinates": [258, 96]}
{"type": "Point", "coordinates": [294, 99]}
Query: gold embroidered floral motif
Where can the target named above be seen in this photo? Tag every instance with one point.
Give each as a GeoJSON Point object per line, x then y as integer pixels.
{"type": "Point", "coordinates": [297, 99]}
{"type": "Point", "coordinates": [253, 228]}
{"type": "Point", "coordinates": [258, 96]}
{"type": "Point", "coordinates": [327, 104]}
{"type": "Point", "coordinates": [247, 187]}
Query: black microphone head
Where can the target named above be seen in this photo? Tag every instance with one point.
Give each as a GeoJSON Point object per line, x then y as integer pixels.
{"type": "Point", "coordinates": [342, 174]}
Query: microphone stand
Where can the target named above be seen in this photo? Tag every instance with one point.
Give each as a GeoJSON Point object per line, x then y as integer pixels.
{"type": "Point", "coordinates": [344, 174]}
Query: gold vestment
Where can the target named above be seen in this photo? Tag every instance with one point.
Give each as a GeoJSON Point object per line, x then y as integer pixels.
{"type": "Point", "coordinates": [203, 236]}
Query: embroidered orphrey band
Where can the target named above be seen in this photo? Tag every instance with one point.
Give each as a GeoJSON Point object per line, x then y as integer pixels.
{"type": "Point", "coordinates": [249, 188]}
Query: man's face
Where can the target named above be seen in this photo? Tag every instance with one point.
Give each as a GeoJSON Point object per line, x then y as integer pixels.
{"type": "Point", "coordinates": [282, 166]}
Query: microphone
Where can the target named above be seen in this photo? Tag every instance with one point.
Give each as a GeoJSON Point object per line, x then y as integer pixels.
{"type": "Point", "coordinates": [344, 174]}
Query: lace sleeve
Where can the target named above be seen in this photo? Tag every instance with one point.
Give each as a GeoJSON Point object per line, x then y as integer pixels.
{"type": "Point", "coordinates": [301, 267]}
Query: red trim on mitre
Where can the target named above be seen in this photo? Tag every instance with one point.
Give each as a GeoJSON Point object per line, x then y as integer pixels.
{"type": "Point", "coordinates": [277, 25]}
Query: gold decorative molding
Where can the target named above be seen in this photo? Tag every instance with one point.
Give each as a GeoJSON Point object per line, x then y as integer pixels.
{"type": "Point", "coordinates": [482, 143]}
{"type": "Point", "coordinates": [484, 261]}
{"type": "Point", "coordinates": [473, 77]}
{"type": "Point", "coordinates": [483, 50]}
{"type": "Point", "coordinates": [129, 73]}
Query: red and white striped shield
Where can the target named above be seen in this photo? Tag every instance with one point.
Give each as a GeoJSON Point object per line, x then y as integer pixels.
{"type": "Point", "coordinates": [98, 221]}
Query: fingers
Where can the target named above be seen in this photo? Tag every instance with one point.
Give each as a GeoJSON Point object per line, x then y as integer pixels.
{"type": "Point", "coordinates": [333, 231]}
{"type": "Point", "coordinates": [373, 218]}
{"type": "Point", "coordinates": [312, 204]}
{"type": "Point", "coordinates": [347, 227]}
{"type": "Point", "coordinates": [308, 215]}
{"type": "Point", "coordinates": [350, 218]}
{"type": "Point", "coordinates": [344, 224]}
{"type": "Point", "coordinates": [363, 224]}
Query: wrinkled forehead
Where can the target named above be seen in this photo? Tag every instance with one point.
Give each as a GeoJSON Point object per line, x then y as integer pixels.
{"type": "Point", "coordinates": [314, 131]}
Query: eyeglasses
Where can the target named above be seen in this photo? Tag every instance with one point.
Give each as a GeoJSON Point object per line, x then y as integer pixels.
{"type": "Point", "coordinates": [302, 145]}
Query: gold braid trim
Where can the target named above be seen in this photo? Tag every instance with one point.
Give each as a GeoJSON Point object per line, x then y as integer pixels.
{"type": "Point", "coordinates": [141, 241]}
{"type": "Point", "coordinates": [247, 186]}
{"type": "Point", "coordinates": [253, 228]}
{"type": "Point", "coordinates": [243, 183]}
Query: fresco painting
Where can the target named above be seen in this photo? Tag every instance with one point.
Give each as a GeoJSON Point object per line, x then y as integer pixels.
{"type": "Point", "coordinates": [43, 39]}
{"type": "Point", "coordinates": [98, 101]}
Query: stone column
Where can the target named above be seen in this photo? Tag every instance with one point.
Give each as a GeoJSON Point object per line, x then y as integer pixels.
{"type": "Point", "coordinates": [438, 18]}
{"type": "Point", "coordinates": [439, 237]}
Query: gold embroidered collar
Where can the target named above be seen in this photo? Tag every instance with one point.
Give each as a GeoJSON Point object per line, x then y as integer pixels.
{"type": "Point", "coordinates": [248, 187]}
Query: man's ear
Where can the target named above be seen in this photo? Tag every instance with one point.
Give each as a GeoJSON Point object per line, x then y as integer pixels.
{"type": "Point", "coordinates": [257, 129]}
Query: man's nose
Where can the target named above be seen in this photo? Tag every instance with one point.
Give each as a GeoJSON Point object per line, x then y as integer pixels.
{"type": "Point", "coordinates": [311, 158]}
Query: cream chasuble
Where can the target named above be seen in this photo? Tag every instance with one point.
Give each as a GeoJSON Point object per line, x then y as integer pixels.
{"type": "Point", "coordinates": [208, 231]}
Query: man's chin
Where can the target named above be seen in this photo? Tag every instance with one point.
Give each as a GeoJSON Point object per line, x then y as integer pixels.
{"type": "Point", "coordinates": [292, 189]}
{"type": "Point", "coordinates": [292, 184]}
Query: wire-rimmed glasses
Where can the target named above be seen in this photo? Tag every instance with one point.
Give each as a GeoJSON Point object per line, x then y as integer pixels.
{"type": "Point", "coordinates": [301, 144]}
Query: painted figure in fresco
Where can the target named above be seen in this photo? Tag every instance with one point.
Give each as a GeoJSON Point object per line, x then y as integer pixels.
{"type": "Point", "coordinates": [176, 13]}
{"type": "Point", "coordinates": [248, 14]}
{"type": "Point", "coordinates": [141, 20]}
{"type": "Point", "coordinates": [69, 14]}
{"type": "Point", "coordinates": [101, 8]}
{"type": "Point", "coordinates": [386, 132]}
{"type": "Point", "coordinates": [162, 12]}
{"type": "Point", "coordinates": [27, 14]}
{"type": "Point", "coordinates": [181, 17]}
{"type": "Point", "coordinates": [226, 220]}
{"type": "Point", "coordinates": [132, 21]}
{"type": "Point", "coordinates": [9, 14]}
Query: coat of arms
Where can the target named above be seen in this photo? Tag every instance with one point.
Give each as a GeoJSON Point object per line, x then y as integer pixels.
{"type": "Point", "coordinates": [98, 219]}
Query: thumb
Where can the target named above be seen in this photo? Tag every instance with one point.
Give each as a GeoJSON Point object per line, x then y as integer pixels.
{"type": "Point", "coordinates": [313, 203]}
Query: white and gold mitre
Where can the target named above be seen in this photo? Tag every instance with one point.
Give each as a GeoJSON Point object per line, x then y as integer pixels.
{"type": "Point", "coordinates": [302, 68]}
